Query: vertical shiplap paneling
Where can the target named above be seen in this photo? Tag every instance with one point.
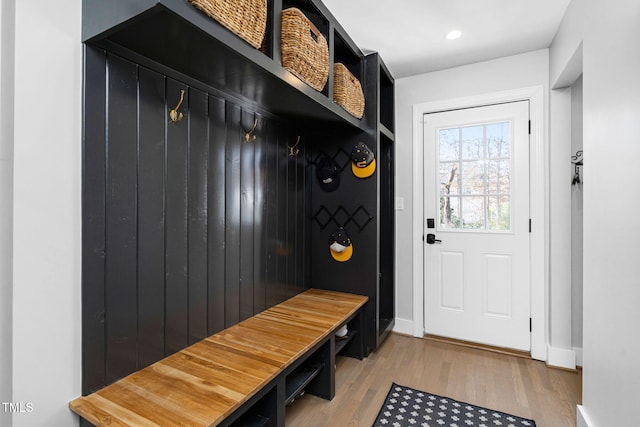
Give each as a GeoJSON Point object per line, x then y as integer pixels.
{"type": "Point", "coordinates": [247, 209]}
{"type": "Point", "coordinates": [121, 220]}
{"type": "Point", "coordinates": [151, 171]}
{"type": "Point", "coordinates": [198, 203]}
{"type": "Point", "coordinates": [259, 217]}
{"type": "Point", "coordinates": [93, 221]}
{"type": "Point", "coordinates": [234, 142]}
{"type": "Point", "coordinates": [176, 227]}
{"type": "Point", "coordinates": [187, 227]}
{"type": "Point", "coordinates": [282, 235]}
{"type": "Point", "coordinates": [216, 223]}
{"type": "Point", "coordinates": [301, 218]}
{"type": "Point", "coordinates": [270, 234]}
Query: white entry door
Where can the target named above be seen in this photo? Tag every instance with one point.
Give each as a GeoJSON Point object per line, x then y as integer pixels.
{"type": "Point", "coordinates": [476, 205]}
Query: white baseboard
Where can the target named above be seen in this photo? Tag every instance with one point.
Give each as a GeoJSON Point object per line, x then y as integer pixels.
{"type": "Point", "coordinates": [561, 358]}
{"type": "Point", "coordinates": [582, 420]}
{"type": "Point", "coordinates": [403, 326]}
{"type": "Point", "coordinates": [578, 352]}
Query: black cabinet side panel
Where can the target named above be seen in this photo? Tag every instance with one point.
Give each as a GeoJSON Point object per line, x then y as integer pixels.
{"type": "Point", "coordinates": [93, 221]}
{"type": "Point", "coordinates": [151, 200]}
{"type": "Point", "coordinates": [121, 220]}
{"type": "Point", "coordinates": [216, 209]}
{"type": "Point", "coordinates": [176, 287]}
{"type": "Point", "coordinates": [197, 229]}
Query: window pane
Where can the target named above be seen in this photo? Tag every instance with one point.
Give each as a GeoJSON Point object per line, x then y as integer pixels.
{"type": "Point", "coordinates": [498, 177]}
{"type": "Point", "coordinates": [473, 213]}
{"type": "Point", "coordinates": [473, 142]}
{"type": "Point", "coordinates": [449, 144]}
{"type": "Point", "coordinates": [449, 212]}
{"type": "Point", "coordinates": [449, 178]}
{"type": "Point", "coordinates": [473, 177]}
{"type": "Point", "coordinates": [499, 213]}
{"type": "Point", "coordinates": [498, 140]}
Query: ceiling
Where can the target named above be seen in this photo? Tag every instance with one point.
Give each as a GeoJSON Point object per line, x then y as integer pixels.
{"type": "Point", "coordinates": [410, 36]}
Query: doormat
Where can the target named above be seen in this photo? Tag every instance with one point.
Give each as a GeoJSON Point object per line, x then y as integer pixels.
{"type": "Point", "coordinates": [405, 406]}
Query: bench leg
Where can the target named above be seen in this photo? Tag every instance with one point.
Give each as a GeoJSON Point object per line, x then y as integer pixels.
{"type": "Point", "coordinates": [324, 384]}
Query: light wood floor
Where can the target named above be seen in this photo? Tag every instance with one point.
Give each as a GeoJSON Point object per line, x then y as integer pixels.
{"type": "Point", "coordinates": [511, 384]}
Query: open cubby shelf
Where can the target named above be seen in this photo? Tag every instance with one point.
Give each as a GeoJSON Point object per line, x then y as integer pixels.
{"type": "Point", "coordinates": [300, 378]}
{"type": "Point", "coordinates": [341, 342]}
{"type": "Point", "coordinates": [177, 36]}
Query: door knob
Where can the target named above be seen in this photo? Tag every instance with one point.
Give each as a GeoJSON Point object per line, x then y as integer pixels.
{"type": "Point", "coordinates": [431, 239]}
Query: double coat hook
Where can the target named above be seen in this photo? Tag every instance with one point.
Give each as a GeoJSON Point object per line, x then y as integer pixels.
{"type": "Point", "coordinates": [174, 115]}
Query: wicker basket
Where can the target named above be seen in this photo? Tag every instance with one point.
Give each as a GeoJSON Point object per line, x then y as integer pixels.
{"type": "Point", "coordinates": [246, 18]}
{"type": "Point", "coordinates": [347, 91]}
{"type": "Point", "coordinates": [304, 49]}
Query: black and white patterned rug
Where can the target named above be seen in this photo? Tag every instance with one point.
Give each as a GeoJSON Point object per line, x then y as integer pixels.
{"type": "Point", "coordinates": [407, 407]}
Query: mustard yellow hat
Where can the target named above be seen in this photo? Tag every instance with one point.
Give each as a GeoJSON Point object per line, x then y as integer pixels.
{"type": "Point", "coordinates": [363, 161]}
{"type": "Point", "coordinates": [340, 245]}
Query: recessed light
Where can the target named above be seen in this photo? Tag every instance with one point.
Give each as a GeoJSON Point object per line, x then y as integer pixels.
{"type": "Point", "coordinates": [452, 35]}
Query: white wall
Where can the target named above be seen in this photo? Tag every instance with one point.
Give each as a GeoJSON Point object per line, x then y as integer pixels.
{"type": "Point", "coordinates": [46, 211]}
{"type": "Point", "coordinates": [560, 351]}
{"type": "Point", "coordinates": [576, 224]}
{"type": "Point", "coordinates": [565, 52]}
{"type": "Point", "coordinates": [6, 205]}
{"type": "Point", "coordinates": [611, 200]}
{"type": "Point", "coordinates": [514, 72]}
{"type": "Point", "coordinates": [565, 67]}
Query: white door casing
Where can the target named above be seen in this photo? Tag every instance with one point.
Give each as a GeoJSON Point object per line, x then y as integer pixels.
{"type": "Point", "coordinates": [538, 205]}
{"type": "Point", "coordinates": [476, 192]}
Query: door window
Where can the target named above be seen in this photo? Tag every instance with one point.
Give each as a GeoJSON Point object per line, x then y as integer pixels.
{"type": "Point", "coordinates": [475, 165]}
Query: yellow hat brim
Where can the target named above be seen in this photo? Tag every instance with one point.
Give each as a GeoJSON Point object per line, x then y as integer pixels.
{"type": "Point", "coordinates": [364, 172]}
{"type": "Point", "coordinates": [342, 256]}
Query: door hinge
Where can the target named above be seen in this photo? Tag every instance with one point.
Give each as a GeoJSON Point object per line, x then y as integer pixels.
{"type": "Point", "coordinates": [529, 127]}
{"type": "Point", "coordinates": [529, 225]}
{"type": "Point", "coordinates": [530, 325]}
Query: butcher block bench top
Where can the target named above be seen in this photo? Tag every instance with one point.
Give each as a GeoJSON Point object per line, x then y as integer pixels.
{"type": "Point", "coordinates": [207, 381]}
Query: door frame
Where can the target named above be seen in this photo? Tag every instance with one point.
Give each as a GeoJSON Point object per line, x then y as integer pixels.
{"type": "Point", "coordinates": [538, 202]}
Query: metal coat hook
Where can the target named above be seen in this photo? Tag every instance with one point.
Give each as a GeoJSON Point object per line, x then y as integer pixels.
{"type": "Point", "coordinates": [293, 151]}
{"type": "Point", "coordinates": [577, 162]}
{"type": "Point", "coordinates": [174, 115]}
{"type": "Point", "coordinates": [248, 133]}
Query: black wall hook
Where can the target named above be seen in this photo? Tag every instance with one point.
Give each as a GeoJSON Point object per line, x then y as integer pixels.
{"type": "Point", "coordinates": [577, 162]}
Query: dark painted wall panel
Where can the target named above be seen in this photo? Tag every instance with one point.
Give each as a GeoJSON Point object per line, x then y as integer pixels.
{"type": "Point", "coordinates": [151, 199]}
{"type": "Point", "coordinates": [216, 209]}
{"type": "Point", "coordinates": [121, 220]}
{"type": "Point", "coordinates": [187, 227]}
{"type": "Point", "coordinates": [247, 209]}
{"type": "Point", "coordinates": [176, 253]}
{"type": "Point", "coordinates": [198, 204]}
{"type": "Point", "coordinates": [232, 215]}
{"type": "Point", "coordinates": [93, 221]}
{"type": "Point", "coordinates": [259, 216]}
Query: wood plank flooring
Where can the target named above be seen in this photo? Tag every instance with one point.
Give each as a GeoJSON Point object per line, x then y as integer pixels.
{"type": "Point", "coordinates": [511, 384]}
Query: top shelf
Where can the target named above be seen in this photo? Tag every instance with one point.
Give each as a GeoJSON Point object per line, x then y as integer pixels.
{"type": "Point", "coordinates": [174, 34]}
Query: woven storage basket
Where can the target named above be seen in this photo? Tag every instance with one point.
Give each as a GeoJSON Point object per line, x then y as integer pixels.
{"type": "Point", "coordinates": [304, 49]}
{"type": "Point", "coordinates": [246, 18]}
{"type": "Point", "coordinates": [347, 91]}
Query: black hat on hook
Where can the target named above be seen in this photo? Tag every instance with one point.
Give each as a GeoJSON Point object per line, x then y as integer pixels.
{"type": "Point", "coordinates": [327, 174]}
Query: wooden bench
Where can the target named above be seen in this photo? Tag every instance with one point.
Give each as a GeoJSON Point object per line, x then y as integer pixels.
{"type": "Point", "coordinates": [243, 375]}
